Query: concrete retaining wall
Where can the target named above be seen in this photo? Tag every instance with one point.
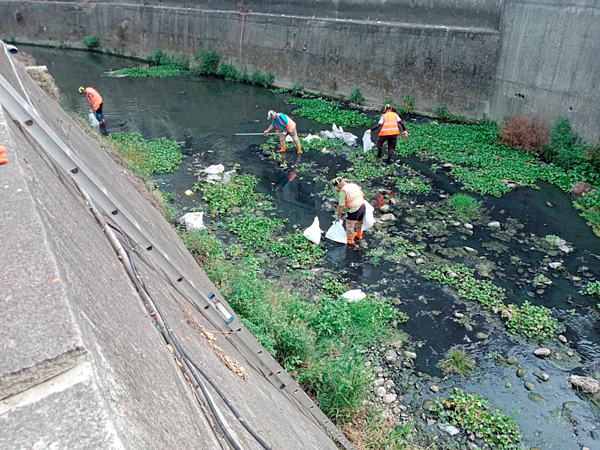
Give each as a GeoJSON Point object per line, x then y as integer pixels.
{"type": "Point", "coordinates": [490, 57]}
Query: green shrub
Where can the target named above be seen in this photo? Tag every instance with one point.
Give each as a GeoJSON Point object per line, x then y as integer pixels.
{"type": "Point", "coordinates": [473, 413]}
{"type": "Point", "coordinates": [464, 206]}
{"type": "Point", "coordinates": [208, 62]}
{"type": "Point", "coordinates": [91, 41]}
{"type": "Point", "coordinates": [229, 72]}
{"type": "Point", "coordinates": [564, 149]}
{"type": "Point", "coordinates": [456, 360]}
{"type": "Point", "coordinates": [357, 97]}
{"type": "Point", "coordinates": [408, 105]}
{"type": "Point", "coordinates": [205, 247]}
{"type": "Point", "coordinates": [297, 89]}
{"type": "Point", "coordinates": [593, 156]}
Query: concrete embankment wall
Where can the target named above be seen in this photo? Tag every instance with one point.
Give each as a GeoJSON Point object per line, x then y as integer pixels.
{"type": "Point", "coordinates": [82, 364]}
{"type": "Point", "coordinates": [492, 57]}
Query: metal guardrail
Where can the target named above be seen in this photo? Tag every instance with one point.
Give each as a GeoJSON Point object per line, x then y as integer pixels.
{"type": "Point", "coordinates": [213, 306]}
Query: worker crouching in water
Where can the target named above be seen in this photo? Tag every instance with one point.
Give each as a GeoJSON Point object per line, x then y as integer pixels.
{"type": "Point", "coordinates": [285, 126]}
{"type": "Point", "coordinates": [353, 198]}
{"type": "Point", "coordinates": [96, 101]}
{"type": "Point", "coordinates": [390, 124]}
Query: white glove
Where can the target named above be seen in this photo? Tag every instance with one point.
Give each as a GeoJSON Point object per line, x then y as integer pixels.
{"type": "Point", "coordinates": [368, 131]}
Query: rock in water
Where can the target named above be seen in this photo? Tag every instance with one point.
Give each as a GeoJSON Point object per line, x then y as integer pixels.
{"type": "Point", "coordinates": [451, 430]}
{"type": "Point", "coordinates": [542, 352]}
{"type": "Point", "coordinates": [385, 208]}
{"type": "Point", "coordinates": [585, 385]}
{"type": "Point", "coordinates": [387, 217]}
{"type": "Point", "coordinates": [494, 224]}
{"type": "Point", "coordinates": [579, 189]}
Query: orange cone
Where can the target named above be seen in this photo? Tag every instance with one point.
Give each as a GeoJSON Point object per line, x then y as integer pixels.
{"type": "Point", "coordinates": [3, 157]}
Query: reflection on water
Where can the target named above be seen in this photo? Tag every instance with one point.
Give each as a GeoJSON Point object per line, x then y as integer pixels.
{"type": "Point", "coordinates": [204, 113]}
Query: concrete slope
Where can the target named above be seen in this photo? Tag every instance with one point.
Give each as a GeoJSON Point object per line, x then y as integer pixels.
{"type": "Point", "coordinates": [82, 365]}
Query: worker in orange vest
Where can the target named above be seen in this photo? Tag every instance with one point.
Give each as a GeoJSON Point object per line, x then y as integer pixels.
{"type": "Point", "coordinates": [352, 198]}
{"type": "Point", "coordinates": [390, 124]}
{"type": "Point", "coordinates": [96, 101]}
{"type": "Point", "coordinates": [3, 157]}
{"type": "Point", "coordinates": [286, 127]}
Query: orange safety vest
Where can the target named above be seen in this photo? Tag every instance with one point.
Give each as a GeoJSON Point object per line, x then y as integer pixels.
{"type": "Point", "coordinates": [390, 124]}
{"type": "Point", "coordinates": [354, 195]}
{"type": "Point", "coordinates": [93, 97]}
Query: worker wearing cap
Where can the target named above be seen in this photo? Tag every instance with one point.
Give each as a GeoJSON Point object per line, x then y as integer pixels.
{"type": "Point", "coordinates": [285, 127]}
{"type": "Point", "coordinates": [351, 197]}
{"type": "Point", "coordinates": [390, 124]}
{"type": "Point", "coordinates": [96, 101]}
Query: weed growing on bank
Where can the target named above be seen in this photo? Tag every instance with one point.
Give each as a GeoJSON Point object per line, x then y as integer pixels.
{"type": "Point", "coordinates": [357, 97]}
{"type": "Point", "coordinates": [328, 112]}
{"type": "Point", "coordinates": [91, 41]}
{"type": "Point", "coordinates": [474, 413]}
{"type": "Point", "coordinates": [456, 360]}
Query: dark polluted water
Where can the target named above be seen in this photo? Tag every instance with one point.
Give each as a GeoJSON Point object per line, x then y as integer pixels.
{"type": "Point", "coordinates": [205, 113]}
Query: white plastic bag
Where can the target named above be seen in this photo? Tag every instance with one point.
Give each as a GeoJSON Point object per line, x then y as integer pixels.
{"type": "Point", "coordinates": [349, 139]}
{"type": "Point", "coordinates": [213, 178]}
{"type": "Point", "coordinates": [367, 143]}
{"type": "Point", "coordinates": [193, 221]}
{"type": "Point", "coordinates": [214, 170]}
{"type": "Point", "coordinates": [337, 132]}
{"type": "Point", "coordinates": [313, 233]}
{"type": "Point", "coordinates": [354, 295]}
{"type": "Point", "coordinates": [337, 233]}
{"type": "Point", "coordinates": [369, 219]}
{"type": "Point", "coordinates": [311, 137]}
{"type": "Point", "coordinates": [93, 120]}
{"type": "Point", "coordinates": [288, 138]}
{"type": "Point", "coordinates": [328, 134]}
{"type": "Point", "coordinates": [227, 176]}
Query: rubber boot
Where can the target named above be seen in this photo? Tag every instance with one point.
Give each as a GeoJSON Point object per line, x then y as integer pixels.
{"type": "Point", "coordinates": [3, 157]}
{"type": "Point", "coordinates": [299, 148]}
{"type": "Point", "coordinates": [379, 153]}
{"type": "Point", "coordinates": [282, 149]}
{"type": "Point", "coordinates": [388, 160]}
{"type": "Point", "coordinates": [359, 232]}
{"type": "Point", "coordinates": [350, 233]}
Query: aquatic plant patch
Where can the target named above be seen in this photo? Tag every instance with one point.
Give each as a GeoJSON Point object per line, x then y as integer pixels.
{"type": "Point", "coordinates": [145, 158]}
{"type": "Point", "coordinates": [464, 207]}
{"type": "Point", "coordinates": [328, 112]}
{"type": "Point", "coordinates": [527, 320]}
{"type": "Point", "coordinates": [474, 413]}
{"type": "Point", "coordinates": [456, 360]}
{"type": "Point", "coordinates": [592, 289]}
{"type": "Point", "coordinates": [225, 198]}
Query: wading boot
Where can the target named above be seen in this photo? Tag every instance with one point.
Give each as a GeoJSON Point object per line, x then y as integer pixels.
{"type": "Point", "coordinates": [359, 235]}
{"type": "Point", "coordinates": [388, 160]}
{"type": "Point", "coordinates": [281, 150]}
{"type": "Point", "coordinates": [379, 154]}
{"type": "Point", "coordinates": [299, 148]}
{"type": "Point", "coordinates": [350, 241]}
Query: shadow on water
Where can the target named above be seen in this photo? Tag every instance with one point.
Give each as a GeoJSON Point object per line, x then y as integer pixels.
{"type": "Point", "coordinates": [204, 113]}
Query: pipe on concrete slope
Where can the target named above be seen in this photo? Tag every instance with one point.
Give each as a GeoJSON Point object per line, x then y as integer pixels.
{"type": "Point", "coordinates": [124, 256]}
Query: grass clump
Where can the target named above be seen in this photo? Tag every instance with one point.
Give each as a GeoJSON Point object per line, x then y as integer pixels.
{"type": "Point", "coordinates": [456, 360]}
{"type": "Point", "coordinates": [357, 97]}
{"type": "Point", "coordinates": [91, 41]}
{"type": "Point", "coordinates": [464, 206]}
{"type": "Point", "coordinates": [328, 112]}
{"type": "Point", "coordinates": [145, 158]}
{"type": "Point", "coordinates": [474, 413]}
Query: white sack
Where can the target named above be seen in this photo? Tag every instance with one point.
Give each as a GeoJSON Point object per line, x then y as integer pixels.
{"type": "Point", "coordinates": [367, 143]}
{"type": "Point", "coordinates": [214, 170]}
{"type": "Point", "coordinates": [369, 219]}
{"type": "Point", "coordinates": [193, 221]}
{"type": "Point", "coordinates": [327, 134]}
{"type": "Point", "coordinates": [213, 178]}
{"type": "Point", "coordinates": [337, 232]}
{"type": "Point", "coordinates": [288, 138]}
{"type": "Point", "coordinates": [313, 233]}
{"type": "Point", "coordinates": [354, 295]}
{"type": "Point", "coordinates": [93, 120]}
{"type": "Point", "coordinates": [227, 176]}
